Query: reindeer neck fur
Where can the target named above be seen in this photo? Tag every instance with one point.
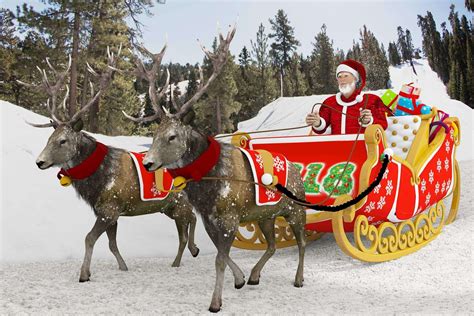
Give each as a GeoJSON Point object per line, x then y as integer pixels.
{"type": "Point", "coordinates": [196, 144]}
{"type": "Point", "coordinates": [91, 188]}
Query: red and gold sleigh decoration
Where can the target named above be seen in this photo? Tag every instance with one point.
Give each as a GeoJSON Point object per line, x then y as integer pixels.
{"type": "Point", "coordinates": [402, 214]}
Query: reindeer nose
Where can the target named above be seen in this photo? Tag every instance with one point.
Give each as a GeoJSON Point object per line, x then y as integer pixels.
{"type": "Point", "coordinates": [148, 165]}
{"type": "Point", "coordinates": [39, 163]}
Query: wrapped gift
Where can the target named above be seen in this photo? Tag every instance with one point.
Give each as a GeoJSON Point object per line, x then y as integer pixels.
{"type": "Point", "coordinates": [389, 98]}
{"type": "Point", "coordinates": [408, 103]}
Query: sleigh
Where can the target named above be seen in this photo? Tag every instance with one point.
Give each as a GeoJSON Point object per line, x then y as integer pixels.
{"type": "Point", "coordinates": [403, 213]}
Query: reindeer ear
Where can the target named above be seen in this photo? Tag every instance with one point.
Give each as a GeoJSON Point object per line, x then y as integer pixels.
{"type": "Point", "coordinates": [78, 125]}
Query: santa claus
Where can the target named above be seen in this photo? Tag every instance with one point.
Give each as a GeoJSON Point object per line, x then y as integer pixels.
{"type": "Point", "coordinates": [349, 109]}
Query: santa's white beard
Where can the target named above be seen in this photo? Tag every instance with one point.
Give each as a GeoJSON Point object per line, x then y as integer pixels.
{"type": "Point", "coordinates": [347, 89]}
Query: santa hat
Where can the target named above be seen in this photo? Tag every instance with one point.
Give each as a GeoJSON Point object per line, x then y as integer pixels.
{"type": "Point", "coordinates": [356, 69]}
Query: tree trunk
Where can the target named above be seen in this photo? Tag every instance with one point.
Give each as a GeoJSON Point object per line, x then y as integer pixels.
{"type": "Point", "coordinates": [218, 116]}
{"type": "Point", "coordinates": [74, 59]}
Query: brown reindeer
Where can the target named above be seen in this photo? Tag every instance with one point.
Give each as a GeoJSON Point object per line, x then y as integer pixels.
{"type": "Point", "coordinates": [112, 190]}
{"type": "Point", "coordinates": [223, 204]}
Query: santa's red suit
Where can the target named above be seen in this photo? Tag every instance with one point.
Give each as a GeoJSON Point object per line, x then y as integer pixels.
{"type": "Point", "coordinates": [342, 114]}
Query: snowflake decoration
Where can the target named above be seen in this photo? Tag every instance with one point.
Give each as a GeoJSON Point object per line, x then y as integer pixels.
{"type": "Point", "coordinates": [443, 187]}
{"type": "Point", "coordinates": [369, 208]}
{"type": "Point", "coordinates": [259, 160]}
{"type": "Point", "coordinates": [451, 132]}
{"type": "Point", "coordinates": [154, 190]}
{"type": "Point", "coordinates": [389, 187]}
{"type": "Point", "coordinates": [381, 203]}
{"type": "Point", "coordinates": [431, 174]}
{"type": "Point", "coordinates": [438, 165]}
{"type": "Point", "coordinates": [428, 198]}
{"type": "Point", "coordinates": [377, 188]}
{"type": "Point", "coordinates": [385, 175]}
{"type": "Point", "coordinates": [270, 194]}
{"type": "Point", "coordinates": [278, 164]}
{"type": "Point", "coordinates": [370, 218]}
{"type": "Point", "coordinates": [448, 146]}
{"type": "Point", "coordinates": [448, 184]}
{"type": "Point", "coordinates": [423, 186]}
{"type": "Point", "coordinates": [446, 164]}
{"type": "Point", "coordinates": [437, 188]}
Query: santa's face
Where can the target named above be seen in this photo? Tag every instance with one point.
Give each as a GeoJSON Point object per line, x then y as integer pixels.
{"type": "Point", "coordinates": [346, 82]}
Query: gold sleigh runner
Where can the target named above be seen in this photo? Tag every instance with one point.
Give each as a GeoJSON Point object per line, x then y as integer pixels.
{"type": "Point", "coordinates": [370, 243]}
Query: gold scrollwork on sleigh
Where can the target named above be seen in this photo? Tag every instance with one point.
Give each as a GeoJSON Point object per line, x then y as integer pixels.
{"type": "Point", "coordinates": [249, 236]}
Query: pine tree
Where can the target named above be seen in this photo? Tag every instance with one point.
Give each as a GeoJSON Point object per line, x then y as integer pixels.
{"type": "Point", "coordinates": [295, 82]}
{"type": "Point", "coordinates": [284, 43]}
{"type": "Point", "coordinates": [393, 55]}
{"type": "Point", "coordinates": [322, 64]}
{"type": "Point", "coordinates": [374, 59]}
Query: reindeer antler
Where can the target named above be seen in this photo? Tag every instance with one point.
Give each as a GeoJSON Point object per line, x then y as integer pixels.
{"type": "Point", "coordinates": [52, 89]}
{"type": "Point", "coordinates": [218, 60]}
{"type": "Point", "coordinates": [150, 75]}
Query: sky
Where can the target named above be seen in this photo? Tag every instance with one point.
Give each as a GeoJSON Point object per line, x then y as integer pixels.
{"type": "Point", "coordinates": [182, 22]}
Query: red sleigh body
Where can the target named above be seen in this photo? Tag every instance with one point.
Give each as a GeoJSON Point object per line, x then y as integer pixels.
{"type": "Point", "coordinates": [412, 184]}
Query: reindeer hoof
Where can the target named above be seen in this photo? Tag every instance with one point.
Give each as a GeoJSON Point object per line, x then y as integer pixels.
{"type": "Point", "coordinates": [240, 285]}
{"type": "Point", "coordinates": [253, 282]}
{"type": "Point", "coordinates": [175, 264]}
{"type": "Point", "coordinates": [195, 252]}
{"type": "Point", "coordinates": [298, 284]}
{"type": "Point", "coordinates": [81, 280]}
{"type": "Point", "coordinates": [214, 309]}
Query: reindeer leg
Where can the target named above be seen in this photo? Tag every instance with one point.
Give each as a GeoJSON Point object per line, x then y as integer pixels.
{"type": "Point", "coordinates": [239, 277]}
{"type": "Point", "coordinates": [98, 229]}
{"type": "Point", "coordinates": [268, 229]}
{"type": "Point", "coordinates": [112, 234]}
{"type": "Point", "coordinates": [191, 245]}
{"type": "Point", "coordinates": [225, 237]}
{"type": "Point", "coordinates": [182, 227]}
{"type": "Point", "coordinates": [297, 222]}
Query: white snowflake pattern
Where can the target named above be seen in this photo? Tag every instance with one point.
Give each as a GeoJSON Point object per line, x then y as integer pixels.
{"type": "Point", "coordinates": [370, 218]}
{"type": "Point", "coordinates": [278, 164]}
{"type": "Point", "coordinates": [154, 190]}
{"type": "Point", "coordinates": [385, 175]}
{"type": "Point", "coordinates": [446, 164]}
{"type": "Point", "coordinates": [377, 188]}
{"type": "Point", "coordinates": [381, 203]}
{"type": "Point", "coordinates": [259, 160]}
{"type": "Point", "coordinates": [443, 187]}
{"type": "Point", "coordinates": [423, 186]}
{"type": "Point", "coordinates": [451, 134]}
{"type": "Point", "coordinates": [448, 184]}
{"type": "Point", "coordinates": [369, 208]}
{"type": "Point", "coordinates": [389, 187]}
{"type": "Point", "coordinates": [448, 146]}
{"type": "Point", "coordinates": [438, 165]}
{"type": "Point", "coordinates": [431, 174]}
{"type": "Point", "coordinates": [437, 188]}
{"type": "Point", "coordinates": [427, 199]}
{"type": "Point", "coordinates": [270, 194]}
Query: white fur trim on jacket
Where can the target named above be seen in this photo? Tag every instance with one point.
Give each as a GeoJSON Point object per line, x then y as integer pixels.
{"type": "Point", "coordinates": [358, 99]}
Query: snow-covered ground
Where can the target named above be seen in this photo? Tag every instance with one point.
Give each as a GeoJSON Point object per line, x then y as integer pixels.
{"type": "Point", "coordinates": [43, 226]}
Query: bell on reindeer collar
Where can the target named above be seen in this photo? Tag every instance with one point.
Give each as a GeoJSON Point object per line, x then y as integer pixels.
{"type": "Point", "coordinates": [65, 181]}
{"type": "Point", "coordinates": [179, 182]}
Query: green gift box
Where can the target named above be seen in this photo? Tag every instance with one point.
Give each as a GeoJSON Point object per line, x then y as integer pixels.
{"type": "Point", "coordinates": [389, 98]}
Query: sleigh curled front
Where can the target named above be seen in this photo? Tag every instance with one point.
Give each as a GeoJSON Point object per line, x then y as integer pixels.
{"type": "Point", "coordinates": [404, 212]}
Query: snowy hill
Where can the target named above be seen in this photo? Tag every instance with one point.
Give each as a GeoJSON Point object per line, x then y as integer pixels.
{"type": "Point", "coordinates": [291, 111]}
{"type": "Point", "coordinates": [40, 220]}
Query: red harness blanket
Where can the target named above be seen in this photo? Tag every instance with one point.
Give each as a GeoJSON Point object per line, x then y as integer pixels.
{"type": "Point", "coordinates": [148, 188]}
{"type": "Point", "coordinates": [263, 195]}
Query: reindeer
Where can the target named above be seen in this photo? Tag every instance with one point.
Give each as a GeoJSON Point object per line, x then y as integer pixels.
{"type": "Point", "coordinates": [222, 203]}
{"type": "Point", "coordinates": [113, 189]}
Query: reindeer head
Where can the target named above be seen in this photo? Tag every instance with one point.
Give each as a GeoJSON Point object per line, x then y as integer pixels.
{"type": "Point", "coordinates": [63, 144]}
{"type": "Point", "coordinates": [172, 137]}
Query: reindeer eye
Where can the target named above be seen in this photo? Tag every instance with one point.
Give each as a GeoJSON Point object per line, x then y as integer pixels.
{"type": "Point", "coordinates": [171, 138]}
{"type": "Point", "coordinates": [62, 142]}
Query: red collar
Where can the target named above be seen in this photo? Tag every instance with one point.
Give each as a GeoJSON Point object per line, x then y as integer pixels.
{"type": "Point", "coordinates": [87, 168]}
{"type": "Point", "coordinates": [202, 165]}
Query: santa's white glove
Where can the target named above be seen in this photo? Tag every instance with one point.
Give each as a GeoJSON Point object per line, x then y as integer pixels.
{"type": "Point", "coordinates": [365, 117]}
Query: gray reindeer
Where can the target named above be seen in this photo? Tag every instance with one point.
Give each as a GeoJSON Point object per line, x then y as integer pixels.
{"type": "Point", "coordinates": [223, 204]}
{"type": "Point", "coordinates": [112, 190]}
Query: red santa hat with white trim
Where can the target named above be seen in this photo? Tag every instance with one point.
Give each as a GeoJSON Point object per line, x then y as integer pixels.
{"type": "Point", "coordinates": [356, 69]}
